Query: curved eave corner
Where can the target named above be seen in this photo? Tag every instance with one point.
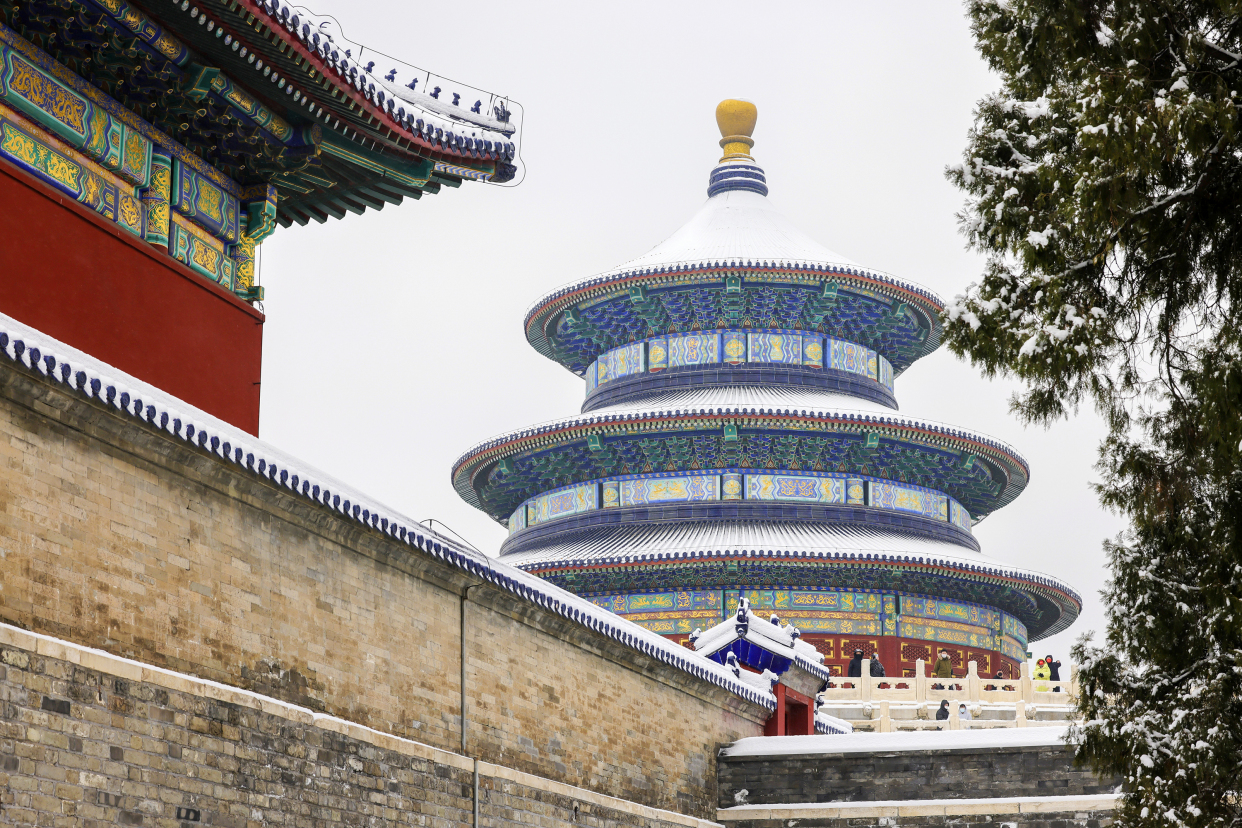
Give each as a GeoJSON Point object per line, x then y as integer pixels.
{"type": "Point", "coordinates": [437, 133]}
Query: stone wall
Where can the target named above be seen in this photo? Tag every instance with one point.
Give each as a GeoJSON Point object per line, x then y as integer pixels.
{"type": "Point", "coordinates": [1054, 812]}
{"type": "Point", "coordinates": [116, 535]}
{"type": "Point", "coordinates": [92, 740]}
{"type": "Point", "coordinates": [908, 775]}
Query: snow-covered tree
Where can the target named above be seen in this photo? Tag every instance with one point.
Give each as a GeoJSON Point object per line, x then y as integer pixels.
{"type": "Point", "coordinates": [1105, 187]}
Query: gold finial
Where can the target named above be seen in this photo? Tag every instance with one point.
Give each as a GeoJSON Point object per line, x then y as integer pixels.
{"type": "Point", "coordinates": [736, 119]}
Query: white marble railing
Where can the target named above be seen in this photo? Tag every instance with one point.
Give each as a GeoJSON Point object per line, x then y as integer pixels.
{"type": "Point", "coordinates": [910, 702]}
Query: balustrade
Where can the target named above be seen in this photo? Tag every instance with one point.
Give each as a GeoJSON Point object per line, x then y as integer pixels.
{"type": "Point", "coordinates": [910, 702]}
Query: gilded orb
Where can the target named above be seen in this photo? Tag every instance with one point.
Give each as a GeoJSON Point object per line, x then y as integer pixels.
{"type": "Point", "coordinates": [736, 119]}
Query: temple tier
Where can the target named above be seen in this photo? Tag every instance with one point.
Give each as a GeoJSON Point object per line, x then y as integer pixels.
{"type": "Point", "coordinates": [740, 439]}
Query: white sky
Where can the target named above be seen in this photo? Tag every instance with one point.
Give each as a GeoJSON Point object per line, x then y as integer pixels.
{"type": "Point", "coordinates": [394, 339]}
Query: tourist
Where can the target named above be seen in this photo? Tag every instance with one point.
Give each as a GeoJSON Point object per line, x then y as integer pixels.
{"type": "Point", "coordinates": [1054, 671]}
{"type": "Point", "coordinates": [1042, 673]}
{"type": "Point", "coordinates": [963, 713]}
{"type": "Point", "coordinates": [856, 662]}
{"type": "Point", "coordinates": [943, 669]}
{"type": "Point", "coordinates": [877, 669]}
{"type": "Point", "coordinates": [943, 713]}
{"type": "Point", "coordinates": [999, 675]}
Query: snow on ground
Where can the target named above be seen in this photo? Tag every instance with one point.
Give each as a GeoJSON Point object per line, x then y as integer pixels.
{"type": "Point", "coordinates": [917, 740]}
{"type": "Point", "coordinates": [951, 806]}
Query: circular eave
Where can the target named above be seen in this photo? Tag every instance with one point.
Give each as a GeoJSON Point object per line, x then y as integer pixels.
{"type": "Point", "coordinates": [1047, 593]}
{"type": "Point", "coordinates": [545, 314]}
{"type": "Point", "coordinates": [482, 458]}
{"type": "Point", "coordinates": [734, 233]}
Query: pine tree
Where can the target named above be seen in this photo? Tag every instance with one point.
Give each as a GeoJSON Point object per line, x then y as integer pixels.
{"type": "Point", "coordinates": [1104, 185]}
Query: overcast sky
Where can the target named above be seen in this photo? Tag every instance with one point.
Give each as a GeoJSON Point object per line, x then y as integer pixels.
{"type": "Point", "coordinates": [394, 339]}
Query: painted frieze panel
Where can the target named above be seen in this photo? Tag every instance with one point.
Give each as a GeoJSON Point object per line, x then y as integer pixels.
{"type": "Point", "coordinates": [49, 102]}
{"type": "Point", "coordinates": [52, 160]}
{"type": "Point", "coordinates": [74, 119]}
{"type": "Point", "coordinates": [611, 494]}
{"type": "Point", "coordinates": [731, 486]}
{"type": "Point", "coordinates": [135, 165]}
{"type": "Point", "coordinates": [795, 488]}
{"type": "Point", "coordinates": [652, 602]}
{"type": "Point", "coordinates": [958, 515]}
{"type": "Point", "coordinates": [945, 632]}
{"type": "Point", "coordinates": [913, 499]}
{"type": "Point", "coordinates": [890, 615]}
{"type": "Point", "coordinates": [1013, 649]}
{"type": "Point", "coordinates": [657, 354]}
{"type": "Point", "coordinates": [517, 521]}
{"type": "Point", "coordinates": [592, 377]}
{"type": "Point", "coordinates": [571, 500]}
{"type": "Point", "coordinates": [201, 201]}
{"type": "Point", "coordinates": [1014, 628]}
{"type": "Point", "coordinates": [54, 167]}
{"type": "Point", "coordinates": [795, 602]}
{"type": "Point", "coordinates": [812, 350]}
{"type": "Point", "coordinates": [855, 491]}
{"type": "Point", "coordinates": [201, 251]}
{"type": "Point", "coordinates": [733, 347]}
{"type": "Point", "coordinates": [693, 349]}
{"type": "Point", "coordinates": [851, 357]}
{"type": "Point", "coordinates": [626, 361]}
{"type": "Point", "coordinates": [780, 348]}
{"type": "Point", "coordinates": [670, 489]}
{"type": "Point", "coordinates": [916, 607]}
{"type": "Point", "coordinates": [886, 372]}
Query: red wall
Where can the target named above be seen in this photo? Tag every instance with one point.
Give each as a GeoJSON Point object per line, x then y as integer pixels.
{"type": "Point", "coordinates": [80, 278]}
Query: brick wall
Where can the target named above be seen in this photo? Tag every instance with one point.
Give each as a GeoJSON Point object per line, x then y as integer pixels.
{"type": "Point", "coordinates": [88, 739]}
{"type": "Point", "coordinates": [908, 775]}
{"type": "Point", "coordinates": [116, 536]}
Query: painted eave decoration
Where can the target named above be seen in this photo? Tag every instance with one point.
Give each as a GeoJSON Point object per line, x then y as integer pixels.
{"type": "Point", "coordinates": [1045, 604]}
{"type": "Point", "coordinates": [273, 95]}
{"type": "Point", "coordinates": [479, 468]}
{"type": "Point", "coordinates": [627, 305]}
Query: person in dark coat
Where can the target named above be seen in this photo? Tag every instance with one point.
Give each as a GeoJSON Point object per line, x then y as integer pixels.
{"type": "Point", "coordinates": [855, 670]}
{"type": "Point", "coordinates": [943, 712]}
{"type": "Point", "coordinates": [1054, 671]}
{"type": "Point", "coordinates": [877, 669]}
{"type": "Point", "coordinates": [942, 669]}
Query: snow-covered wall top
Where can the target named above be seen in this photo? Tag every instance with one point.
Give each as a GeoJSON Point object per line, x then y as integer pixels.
{"type": "Point", "coordinates": [89, 378]}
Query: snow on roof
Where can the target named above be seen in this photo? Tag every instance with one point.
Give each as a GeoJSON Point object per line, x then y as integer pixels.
{"type": "Point", "coordinates": [442, 126]}
{"type": "Point", "coordinates": [736, 224]}
{"type": "Point", "coordinates": [86, 376]}
{"type": "Point", "coordinates": [737, 229]}
{"type": "Point", "coordinates": [781, 639]}
{"type": "Point", "coordinates": [637, 543]}
{"type": "Point", "coordinates": [746, 396]}
{"type": "Point", "coordinates": [1001, 737]}
{"type": "Point", "coordinates": [827, 725]}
